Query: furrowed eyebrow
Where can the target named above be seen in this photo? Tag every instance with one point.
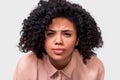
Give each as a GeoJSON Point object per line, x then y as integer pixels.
{"type": "Point", "coordinates": [66, 31]}
{"type": "Point", "coordinates": [49, 30]}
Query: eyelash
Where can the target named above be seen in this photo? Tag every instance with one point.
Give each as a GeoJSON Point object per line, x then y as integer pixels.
{"type": "Point", "coordinates": [67, 34]}
{"type": "Point", "coordinates": [51, 34]}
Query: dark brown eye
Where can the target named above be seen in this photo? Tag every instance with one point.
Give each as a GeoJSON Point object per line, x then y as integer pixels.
{"type": "Point", "coordinates": [50, 33]}
{"type": "Point", "coordinates": [67, 34]}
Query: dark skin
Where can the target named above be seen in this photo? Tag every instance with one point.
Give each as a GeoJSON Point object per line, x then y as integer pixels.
{"type": "Point", "coordinates": [61, 39]}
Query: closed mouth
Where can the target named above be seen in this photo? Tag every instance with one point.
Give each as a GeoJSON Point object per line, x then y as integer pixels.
{"type": "Point", "coordinates": [58, 51]}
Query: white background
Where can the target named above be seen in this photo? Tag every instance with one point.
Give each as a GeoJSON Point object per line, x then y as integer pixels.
{"type": "Point", "coordinates": [105, 12]}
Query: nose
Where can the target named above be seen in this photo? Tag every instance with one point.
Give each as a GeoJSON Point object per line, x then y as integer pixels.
{"type": "Point", "coordinates": [58, 40]}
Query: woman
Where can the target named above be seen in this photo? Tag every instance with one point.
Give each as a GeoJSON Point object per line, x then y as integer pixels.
{"type": "Point", "coordinates": [60, 38]}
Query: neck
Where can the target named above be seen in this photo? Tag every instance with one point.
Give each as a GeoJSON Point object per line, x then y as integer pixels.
{"type": "Point", "coordinates": [60, 64]}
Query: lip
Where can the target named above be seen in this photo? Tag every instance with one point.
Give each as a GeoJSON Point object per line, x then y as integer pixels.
{"type": "Point", "coordinates": [58, 51]}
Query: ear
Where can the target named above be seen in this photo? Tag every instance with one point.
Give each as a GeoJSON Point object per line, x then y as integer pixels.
{"type": "Point", "coordinates": [77, 41]}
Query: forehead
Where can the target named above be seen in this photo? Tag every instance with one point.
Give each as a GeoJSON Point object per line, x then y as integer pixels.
{"type": "Point", "coordinates": [61, 23]}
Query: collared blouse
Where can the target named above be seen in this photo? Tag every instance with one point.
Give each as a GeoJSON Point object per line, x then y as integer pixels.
{"type": "Point", "coordinates": [30, 67]}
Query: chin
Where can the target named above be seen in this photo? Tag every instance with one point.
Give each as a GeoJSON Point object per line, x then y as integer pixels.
{"type": "Point", "coordinates": [58, 58]}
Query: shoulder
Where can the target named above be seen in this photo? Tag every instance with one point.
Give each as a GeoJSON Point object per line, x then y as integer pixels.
{"type": "Point", "coordinates": [26, 66]}
{"type": "Point", "coordinates": [92, 70]}
{"type": "Point", "coordinates": [96, 65]}
{"type": "Point", "coordinates": [95, 62]}
{"type": "Point", "coordinates": [27, 60]}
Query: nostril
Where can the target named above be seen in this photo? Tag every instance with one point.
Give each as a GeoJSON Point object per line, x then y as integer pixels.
{"type": "Point", "coordinates": [58, 41]}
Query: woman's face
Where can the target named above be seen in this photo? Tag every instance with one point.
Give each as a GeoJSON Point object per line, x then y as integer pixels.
{"type": "Point", "coordinates": [61, 38]}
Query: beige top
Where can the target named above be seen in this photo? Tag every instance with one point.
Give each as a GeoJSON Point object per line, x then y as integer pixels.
{"type": "Point", "coordinates": [31, 68]}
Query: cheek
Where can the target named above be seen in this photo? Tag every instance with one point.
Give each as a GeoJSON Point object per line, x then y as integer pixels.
{"type": "Point", "coordinates": [47, 44]}
{"type": "Point", "coordinates": [70, 43]}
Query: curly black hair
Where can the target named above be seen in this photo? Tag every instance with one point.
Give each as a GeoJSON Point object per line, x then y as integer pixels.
{"type": "Point", "coordinates": [34, 27]}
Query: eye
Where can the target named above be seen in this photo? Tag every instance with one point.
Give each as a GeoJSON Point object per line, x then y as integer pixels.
{"type": "Point", "coordinates": [67, 34]}
{"type": "Point", "coordinates": [50, 33]}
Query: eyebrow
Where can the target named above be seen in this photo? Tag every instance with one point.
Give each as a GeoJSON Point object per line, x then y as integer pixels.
{"type": "Point", "coordinates": [50, 30]}
{"type": "Point", "coordinates": [62, 30]}
{"type": "Point", "coordinates": [67, 30]}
